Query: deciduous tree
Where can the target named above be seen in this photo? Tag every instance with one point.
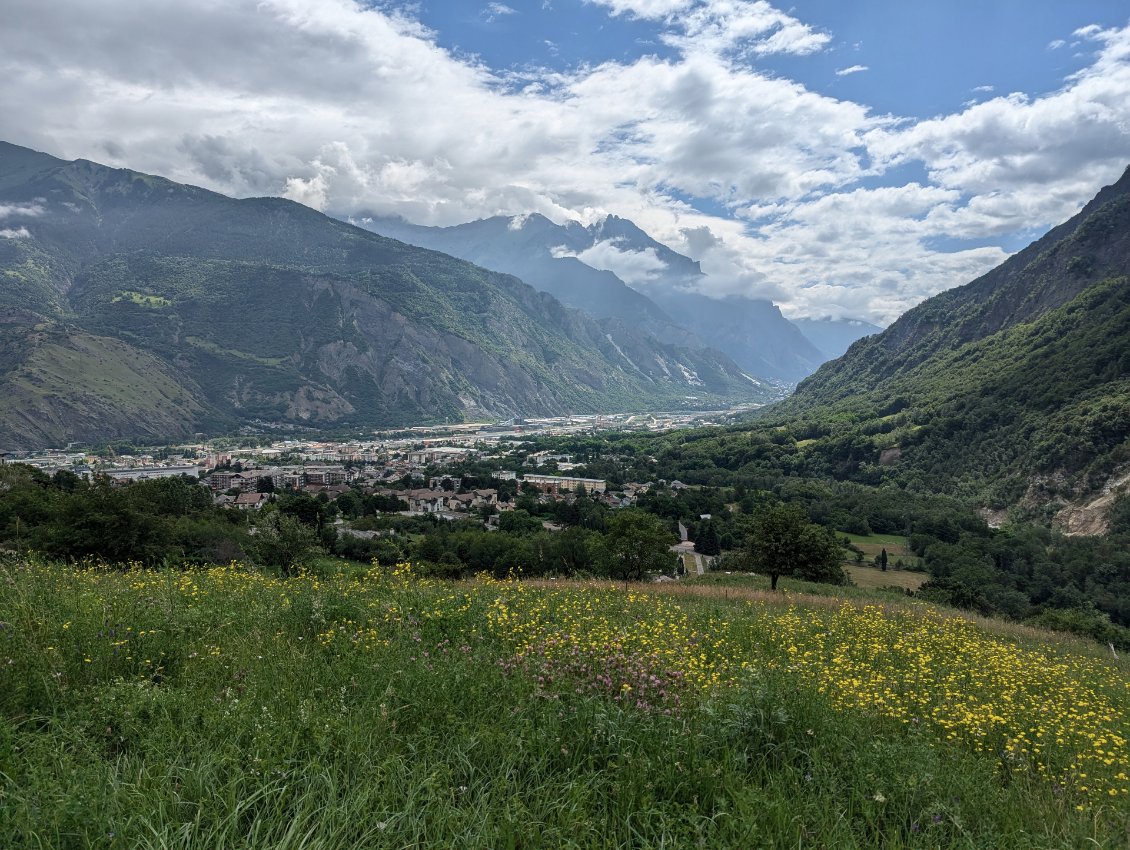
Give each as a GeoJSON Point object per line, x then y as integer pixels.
{"type": "Point", "coordinates": [638, 543]}
{"type": "Point", "coordinates": [782, 541]}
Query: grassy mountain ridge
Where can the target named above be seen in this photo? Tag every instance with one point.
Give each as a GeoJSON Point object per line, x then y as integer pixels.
{"type": "Point", "coordinates": [1050, 397]}
{"type": "Point", "coordinates": [1017, 379]}
{"type": "Point", "coordinates": [264, 310]}
{"type": "Point", "coordinates": [1090, 247]}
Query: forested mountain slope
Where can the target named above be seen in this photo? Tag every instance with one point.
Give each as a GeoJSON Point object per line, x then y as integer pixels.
{"type": "Point", "coordinates": [134, 306]}
{"type": "Point", "coordinates": [1088, 248]}
{"type": "Point", "coordinates": [1017, 379]}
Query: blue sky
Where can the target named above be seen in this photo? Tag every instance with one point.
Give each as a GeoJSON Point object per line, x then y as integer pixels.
{"type": "Point", "coordinates": [922, 58]}
{"type": "Point", "coordinates": [907, 59]}
{"type": "Point", "coordinates": [843, 159]}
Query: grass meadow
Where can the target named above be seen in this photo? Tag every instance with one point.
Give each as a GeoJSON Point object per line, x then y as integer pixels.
{"type": "Point", "coordinates": [230, 708]}
{"type": "Point", "coordinates": [873, 544]}
{"type": "Point", "coordinates": [877, 578]}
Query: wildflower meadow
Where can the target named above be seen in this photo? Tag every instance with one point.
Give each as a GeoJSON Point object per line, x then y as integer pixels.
{"type": "Point", "coordinates": [366, 707]}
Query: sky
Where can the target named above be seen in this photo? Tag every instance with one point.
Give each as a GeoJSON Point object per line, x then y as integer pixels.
{"type": "Point", "coordinates": [846, 160]}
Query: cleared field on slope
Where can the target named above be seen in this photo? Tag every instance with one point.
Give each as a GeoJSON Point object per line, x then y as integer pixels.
{"type": "Point", "coordinates": [876, 578]}
{"type": "Point", "coordinates": [873, 544]}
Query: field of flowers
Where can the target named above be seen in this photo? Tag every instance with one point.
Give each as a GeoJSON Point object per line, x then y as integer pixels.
{"type": "Point", "coordinates": [228, 707]}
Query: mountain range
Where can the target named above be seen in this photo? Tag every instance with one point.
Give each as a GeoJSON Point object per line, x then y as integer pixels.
{"type": "Point", "coordinates": [665, 301]}
{"type": "Point", "coordinates": [132, 306]}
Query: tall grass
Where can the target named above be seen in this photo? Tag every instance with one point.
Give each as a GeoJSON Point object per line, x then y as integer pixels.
{"type": "Point", "coordinates": [227, 708]}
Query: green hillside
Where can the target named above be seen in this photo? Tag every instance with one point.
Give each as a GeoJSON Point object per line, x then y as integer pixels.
{"type": "Point", "coordinates": [265, 311]}
{"type": "Point", "coordinates": [90, 387]}
{"type": "Point", "coordinates": [1048, 397]}
{"type": "Point", "coordinates": [1016, 383]}
{"type": "Point", "coordinates": [1091, 247]}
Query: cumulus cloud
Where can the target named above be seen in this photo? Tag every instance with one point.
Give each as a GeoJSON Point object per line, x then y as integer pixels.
{"type": "Point", "coordinates": [21, 210]}
{"type": "Point", "coordinates": [648, 9]}
{"type": "Point", "coordinates": [721, 25]}
{"type": "Point", "coordinates": [355, 108]}
{"type": "Point", "coordinates": [636, 268]}
{"type": "Point", "coordinates": [861, 252]}
{"type": "Point", "coordinates": [16, 233]}
{"type": "Point", "coordinates": [1025, 162]}
{"type": "Point", "coordinates": [313, 191]}
{"type": "Point", "coordinates": [708, 129]}
{"type": "Point", "coordinates": [725, 25]}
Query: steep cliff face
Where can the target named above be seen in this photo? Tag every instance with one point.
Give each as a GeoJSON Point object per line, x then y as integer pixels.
{"type": "Point", "coordinates": [175, 309]}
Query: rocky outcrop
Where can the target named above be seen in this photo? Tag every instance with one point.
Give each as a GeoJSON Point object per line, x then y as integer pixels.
{"type": "Point", "coordinates": [1091, 516]}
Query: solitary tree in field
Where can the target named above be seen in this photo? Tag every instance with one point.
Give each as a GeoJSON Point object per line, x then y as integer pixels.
{"type": "Point", "coordinates": [783, 542]}
{"type": "Point", "coordinates": [283, 542]}
{"type": "Point", "coordinates": [637, 543]}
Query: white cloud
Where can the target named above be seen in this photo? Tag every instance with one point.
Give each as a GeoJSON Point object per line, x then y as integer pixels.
{"type": "Point", "coordinates": [647, 9]}
{"type": "Point", "coordinates": [355, 109]}
{"type": "Point", "coordinates": [497, 10]}
{"type": "Point", "coordinates": [17, 233]}
{"type": "Point", "coordinates": [725, 25]}
{"type": "Point", "coordinates": [21, 210]}
{"type": "Point", "coordinates": [793, 37]}
{"type": "Point", "coordinates": [1026, 162]}
{"type": "Point", "coordinates": [312, 192]}
{"type": "Point", "coordinates": [852, 69]}
{"type": "Point", "coordinates": [860, 252]}
{"type": "Point", "coordinates": [636, 268]}
{"type": "Point", "coordinates": [707, 129]}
